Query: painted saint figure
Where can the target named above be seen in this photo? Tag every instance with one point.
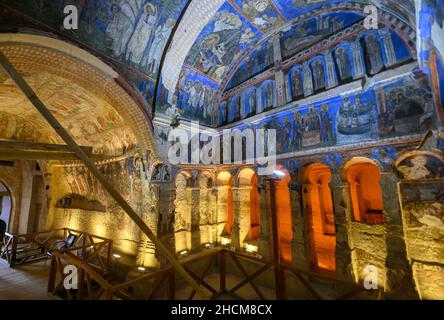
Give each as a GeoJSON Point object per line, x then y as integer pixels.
{"type": "Point", "coordinates": [297, 84]}
{"type": "Point", "coordinates": [141, 36]}
{"type": "Point", "coordinates": [343, 63]}
{"type": "Point", "coordinates": [373, 55]}
{"type": "Point", "coordinates": [119, 30]}
{"type": "Point", "coordinates": [268, 96]}
{"type": "Point", "coordinates": [252, 101]}
{"type": "Point", "coordinates": [318, 75]}
{"type": "Point", "coordinates": [160, 39]}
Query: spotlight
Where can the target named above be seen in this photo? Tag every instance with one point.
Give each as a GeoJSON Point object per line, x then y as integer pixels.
{"type": "Point", "coordinates": [209, 246]}
{"type": "Point", "coordinates": [141, 269]}
{"type": "Point", "coordinates": [117, 256]}
{"type": "Point", "coordinates": [225, 241]}
{"type": "Point", "coordinates": [251, 248]}
{"type": "Point", "coordinates": [278, 173]}
{"type": "Point", "coordinates": [184, 252]}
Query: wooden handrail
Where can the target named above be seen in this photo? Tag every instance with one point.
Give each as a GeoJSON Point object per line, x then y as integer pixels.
{"type": "Point", "coordinates": [354, 289]}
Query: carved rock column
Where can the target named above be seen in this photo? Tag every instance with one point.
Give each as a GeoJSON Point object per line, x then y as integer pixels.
{"type": "Point", "coordinates": [298, 253]}
{"type": "Point", "coordinates": [242, 215]}
{"type": "Point", "coordinates": [399, 281]}
{"type": "Point", "coordinates": [222, 209]}
{"type": "Point", "coordinates": [194, 194]}
{"type": "Point", "coordinates": [344, 246]}
{"type": "Point", "coordinates": [265, 244]}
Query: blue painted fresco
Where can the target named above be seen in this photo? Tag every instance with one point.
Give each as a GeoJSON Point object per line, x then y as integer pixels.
{"type": "Point", "coordinates": [263, 14]}
{"type": "Point", "coordinates": [385, 156]}
{"type": "Point", "coordinates": [195, 100]}
{"type": "Point", "coordinates": [259, 60]}
{"type": "Point", "coordinates": [226, 36]}
{"type": "Point", "coordinates": [399, 108]}
{"type": "Point", "coordinates": [304, 34]}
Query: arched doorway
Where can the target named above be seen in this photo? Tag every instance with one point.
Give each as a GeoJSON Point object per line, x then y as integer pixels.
{"type": "Point", "coordinates": [283, 212]}
{"type": "Point", "coordinates": [249, 214]}
{"type": "Point", "coordinates": [363, 176]}
{"type": "Point", "coordinates": [318, 207]}
{"type": "Point", "coordinates": [5, 204]}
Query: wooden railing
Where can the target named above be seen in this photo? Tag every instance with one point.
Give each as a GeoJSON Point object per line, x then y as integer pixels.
{"type": "Point", "coordinates": [40, 245]}
{"type": "Point", "coordinates": [221, 264]}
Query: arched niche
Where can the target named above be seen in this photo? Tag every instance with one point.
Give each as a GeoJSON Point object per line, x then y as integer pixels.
{"type": "Point", "coordinates": [363, 176]}
{"type": "Point", "coordinates": [249, 219]}
{"type": "Point", "coordinates": [283, 212]}
{"type": "Point", "coordinates": [318, 208]}
{"type": "Point", "coordinates": [225, 210]}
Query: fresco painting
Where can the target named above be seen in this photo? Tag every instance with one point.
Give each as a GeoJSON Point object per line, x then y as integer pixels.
{"type": "Point", "coordinates": [406, 106]}
{"type": "Point", "coordinates": [261, 13]}
{"type": "Point", "coordinates": [403, 107]}
{"type": "Point", "coordinates": [420, 165]}
{"type": "Point", "coordinates": [357, 118]}
{"type": "Point", "coordinates": [196, 97]}
{"type": "Point", "coordinates": [384, 156]}
{"type": "Point", "coordinates": [302, 35]}
{"type": "Point", "coordinates": [224, 38]}
{"type": "Point", "coordinates": [259, 60]}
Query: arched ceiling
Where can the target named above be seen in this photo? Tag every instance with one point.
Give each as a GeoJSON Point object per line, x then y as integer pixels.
{"type": "Point", "coordinates": [176, 38]}
{"type": "Point", "coordinates": [83, 97]}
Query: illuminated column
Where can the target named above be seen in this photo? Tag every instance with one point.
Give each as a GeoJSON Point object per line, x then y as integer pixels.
{"type": "Point", "coordinates": [399, 277]}
{"type": "Point", "coordinates": [299, 258]}
{"type": "Point", "coordinates": [242, 215]}
{"type": "Point", "coordinates": [182, 217]}
{"type": "Point", "coordinates": [342, 215]}
{"type": "Point", "coordinates": [194, 194]}
{"type": "Point", "coordinates": [222, 209]}
{"type": "Point", "coordinates": [147, 251]}
{"type": "Point", "coordinates": [204, 215]}
{"type": "Point", "coordinates": [265, 244]}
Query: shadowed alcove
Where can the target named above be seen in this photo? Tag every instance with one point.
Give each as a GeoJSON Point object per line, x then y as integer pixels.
{"type": "Point", "coordinates": [363, 176]}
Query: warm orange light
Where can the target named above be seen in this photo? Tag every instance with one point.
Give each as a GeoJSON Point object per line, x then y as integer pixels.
{"type": "Point", "coordinates": [318, 205]}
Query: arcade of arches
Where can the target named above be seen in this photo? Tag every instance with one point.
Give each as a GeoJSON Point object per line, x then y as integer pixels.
{"type": "Point", "coordinates": [358, 117]}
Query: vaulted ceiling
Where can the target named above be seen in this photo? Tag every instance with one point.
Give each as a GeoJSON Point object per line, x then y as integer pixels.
{"type": "Point", "coordinates": [156, 43]}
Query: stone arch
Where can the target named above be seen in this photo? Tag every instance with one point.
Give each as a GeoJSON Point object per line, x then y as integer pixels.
{"type": "Point", "coordinates": [38, 58]}
{"type": "Point", "coordinates": [363, 176]}
{"type": "Point", "coordinates": [318, 207]}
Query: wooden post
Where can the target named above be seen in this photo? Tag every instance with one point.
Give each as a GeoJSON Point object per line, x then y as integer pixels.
{"type": "Point", "coordinates": [52, 274]}
{"type": "Point", "coordinates": [80, 153]}
{"type": "Point", "coordinates": [172, 289]}
{"type": "Point", "coordinates": [279, 273]}
{"type": "Point", "coordinates": [223, 271]}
